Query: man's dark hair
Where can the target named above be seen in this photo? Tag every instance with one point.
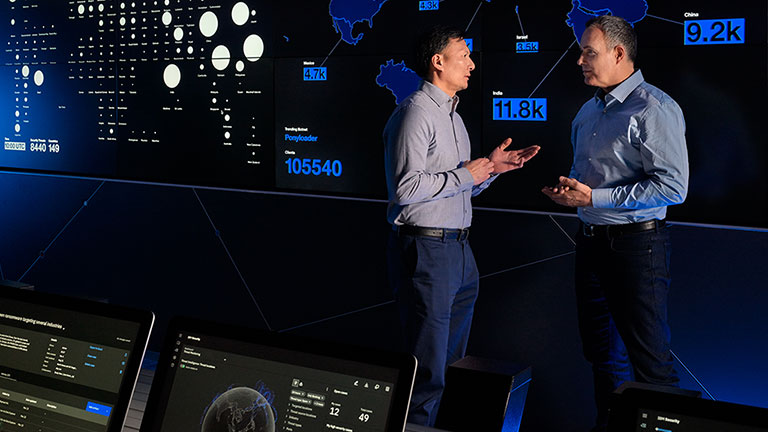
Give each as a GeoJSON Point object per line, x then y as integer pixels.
{"type": "Point", "coordinates": [617, 32]}
{"type": "Point", "coordinates": [433, 42]}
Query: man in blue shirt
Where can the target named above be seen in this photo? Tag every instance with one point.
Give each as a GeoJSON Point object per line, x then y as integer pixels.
{"type": "Point", "coordinates": [430, 181]}
{"type": "Point", "coordinates": [630, 162]}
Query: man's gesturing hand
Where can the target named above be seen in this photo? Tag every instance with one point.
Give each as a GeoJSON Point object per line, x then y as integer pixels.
{"type": "Point", "coordinates": [570, 192]}
{"type": "Point", "coordinates": [507, 160]}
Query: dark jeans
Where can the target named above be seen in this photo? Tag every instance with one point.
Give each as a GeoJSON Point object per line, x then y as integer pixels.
{"type": "Point", "coordinates": [622, 285]}
{"type": "Point", "coordinates": [435, 283]}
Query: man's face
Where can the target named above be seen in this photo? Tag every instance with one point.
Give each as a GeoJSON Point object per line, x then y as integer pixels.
{"type": "Point", "coordinates": [456, 66]}
{"type": "Point", "coordinates": [597, 60]}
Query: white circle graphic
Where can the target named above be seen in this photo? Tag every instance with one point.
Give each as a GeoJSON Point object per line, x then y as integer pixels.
{"type": "Point", "coordinates": [17, 127]}
{"type": "Point", "coordinates": [101, 8]}
{"type": "Point", "coordinates": [226, 117]}
{"type": "Point", "coordinates": [253, 47]}
{"type": "Point", "coordinates": [18, 113]}
{"type": "Point", "coordinates": [220, 57]}
{"type": "Point", "coordinates": [13, 21]}
{"type": "Point", "coordinates": [209, 24]}
{"type": "Point", "coordinates": [172, 75]}
{"type": "Point", "coordinates": [25, 71]}
{"type": "Point", "coordinates": [240, 13]}
{"type": "Point", "coordinates": [167, 18]}
{"type": "Point", "coordinates": [39, 78]}
{"type": "Point", "coordinates": [239, 65]}
{"type": "Point", "coordinates": [226, 135]}
{"type": "Point", "coordinates": [81, 9]}
{"type": "Point", "coordinates": [190, 50]}
{"type": "Point", "coordinates": [122, 21]}
{"type": "Point", "coordinates": [178, 34]}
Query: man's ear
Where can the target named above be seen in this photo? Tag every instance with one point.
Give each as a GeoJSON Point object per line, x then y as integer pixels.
{"type": "Point", "coordinates": [437, 62]}
{"type": "Point", "coordinates": [620, 53]}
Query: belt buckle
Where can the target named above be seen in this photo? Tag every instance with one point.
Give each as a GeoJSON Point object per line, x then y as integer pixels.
{"type": "Point", "coordinates": [588, 230]}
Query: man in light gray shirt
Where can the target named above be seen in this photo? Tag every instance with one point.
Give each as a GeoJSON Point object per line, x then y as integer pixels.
{"type": "Point", "coordinates": [430, 181]}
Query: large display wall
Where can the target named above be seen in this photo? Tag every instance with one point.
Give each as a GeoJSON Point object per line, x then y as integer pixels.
{"type": "Point", "coordinates": [291, 96]}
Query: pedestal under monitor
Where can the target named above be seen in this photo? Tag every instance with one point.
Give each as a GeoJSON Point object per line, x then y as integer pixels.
{"type": "Point", "coordinates": [493, 391]}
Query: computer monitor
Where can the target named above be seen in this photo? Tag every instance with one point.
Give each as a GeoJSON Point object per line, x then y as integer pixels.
{"type": "Point", "coordinates": [642, 410]}
{"type": "Point", "coordinates": [214, 377]}
{"type": "Point", "coordinates": [67, 365]}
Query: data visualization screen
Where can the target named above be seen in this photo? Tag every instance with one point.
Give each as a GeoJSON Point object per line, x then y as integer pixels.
{"type": "Point", "coordinates": [212, 377]}
{"type": "Point", "coordinates": [663, 421]}
{"type": "Point", "coordinates": [63, 370]}
{"type": "Point", "coordinates": [271, 395]}
{"type": "Point", "coordinates": [158, 91]}
{"type": "Point", "coordinates": [293, 95]}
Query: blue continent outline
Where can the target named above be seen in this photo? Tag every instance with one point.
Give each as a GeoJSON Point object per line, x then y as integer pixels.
{"type": "Point", "coordinates": [346, 13]}
{"type": "Point", "coordinates": [584, 10]}
{"type": "Point", "coordinates": [398, 79]}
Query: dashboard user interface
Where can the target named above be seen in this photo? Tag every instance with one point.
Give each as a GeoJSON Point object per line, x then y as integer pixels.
{"type": "Point", "coordinates": [214, 384]}
{"type": "Point", "coordinates": [63, 370]}
{"type": "Point", "coordinates": [665, 421]}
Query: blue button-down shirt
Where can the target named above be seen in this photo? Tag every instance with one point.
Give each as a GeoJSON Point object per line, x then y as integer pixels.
{"type": "Point", "coordinates": [630, 149]}
{"type": "Point", "coordinates": [425, 144]}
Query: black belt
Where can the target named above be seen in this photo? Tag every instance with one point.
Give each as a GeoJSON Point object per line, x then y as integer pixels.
{"type": "Point", "coordinates": [617, 230]}
{"type": "Point", "coordinates": [441, 233]}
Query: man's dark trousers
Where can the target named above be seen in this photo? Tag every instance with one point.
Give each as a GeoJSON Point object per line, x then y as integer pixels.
{"type": "Point", "coordinates": [435, 282]}
{"type": "Point", "coordinates": [622, 286]}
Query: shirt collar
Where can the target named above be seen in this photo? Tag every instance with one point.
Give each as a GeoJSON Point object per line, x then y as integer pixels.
{"type": "Point", "coordinates": [440, 97]}
{"type": "Point", "coordinates": [623, 90]}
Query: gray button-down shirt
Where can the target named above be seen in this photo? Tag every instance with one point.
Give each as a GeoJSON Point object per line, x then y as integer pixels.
{"type": "Point", "coordinates": [630, 149]}
{"type": "Point", "coordinates": [425, 145]}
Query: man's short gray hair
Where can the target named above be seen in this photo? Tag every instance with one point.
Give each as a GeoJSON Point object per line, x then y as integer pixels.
{"type": "Point", "coordinates": [617, 32]}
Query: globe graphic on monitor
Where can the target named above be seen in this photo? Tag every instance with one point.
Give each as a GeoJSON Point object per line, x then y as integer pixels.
{"type": "Point", "coordinates": [240, 409]}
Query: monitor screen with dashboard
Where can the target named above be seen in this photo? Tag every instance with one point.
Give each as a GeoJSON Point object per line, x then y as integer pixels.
{"type": "Point", "coordinates": [292, 96]}
{"type": "Point", "coordinates": [214, 377]}
{"type": "Point", "coordinates": [67, 365]}
{"type": "Point", "coordinates": [643, 410]}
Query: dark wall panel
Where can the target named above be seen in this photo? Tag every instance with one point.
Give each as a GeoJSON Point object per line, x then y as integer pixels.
{"type": "Point", "coordinates": [315, 266]}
